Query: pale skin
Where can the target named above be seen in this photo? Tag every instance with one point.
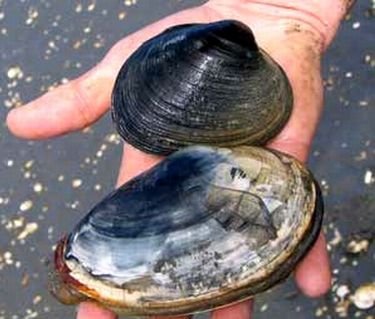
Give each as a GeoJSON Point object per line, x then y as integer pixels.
{"type": "Point", "coordinates": [294, 33]}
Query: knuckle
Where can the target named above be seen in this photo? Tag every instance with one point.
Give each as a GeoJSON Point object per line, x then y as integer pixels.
{"type": "Point", "coordinates": [82, 101]}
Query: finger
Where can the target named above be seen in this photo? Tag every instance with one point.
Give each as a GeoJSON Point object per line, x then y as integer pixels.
{"type": "Point", "coordinates": [242, 310]}
{"type": "Point", "coordinates": [82, 101]}
{"type": "Point", "coordinates": [305, 79]}
{"type": "Point", "coordinates": [296, 137]}
{"type": "Point", "coordinates": [88, 310]}
{"type": "Point", "coordinates": [67, 108]}
{"type": "Point", "coordinates": [134, 162]}
{"type": "Point", "coordinates": [292, 147]}
{"type": "Point", "coordinates": [313, 274]}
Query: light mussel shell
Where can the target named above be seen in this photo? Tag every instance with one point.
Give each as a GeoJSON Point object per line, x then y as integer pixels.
{"type": "Point", "coordinates": [203, 228]}
{"type": "Point", "coordinates": [200, 84]}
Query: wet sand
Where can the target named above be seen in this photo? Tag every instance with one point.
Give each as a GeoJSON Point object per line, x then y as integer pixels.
{"type": "Point", "coordinates": [46, 186]}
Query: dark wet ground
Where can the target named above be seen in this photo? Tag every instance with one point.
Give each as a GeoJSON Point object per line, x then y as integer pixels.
{"type": "Point", "coordinates": [45, 186]}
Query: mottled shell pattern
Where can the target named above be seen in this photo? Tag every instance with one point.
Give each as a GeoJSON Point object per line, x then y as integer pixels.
{"type": "Point", "coordinates": [213, 223]}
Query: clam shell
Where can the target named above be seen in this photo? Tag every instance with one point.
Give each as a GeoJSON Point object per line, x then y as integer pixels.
{"type": "Point", "coordinates": [203, 228]}
{"type": "Point", "coordinates": [200, 84]}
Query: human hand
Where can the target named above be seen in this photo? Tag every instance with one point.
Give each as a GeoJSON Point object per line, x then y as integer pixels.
{"type": "Point", "coordinates": [294, 37]}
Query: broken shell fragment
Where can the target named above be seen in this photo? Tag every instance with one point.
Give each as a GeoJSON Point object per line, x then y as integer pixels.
{"type": "Point", "coordinates": [364, 296]}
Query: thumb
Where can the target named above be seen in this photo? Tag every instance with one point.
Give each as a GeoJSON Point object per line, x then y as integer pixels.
{"type": "Point", "coordinates": [83, 101]}
{"type": "Point", "coordinates": [67, 108]}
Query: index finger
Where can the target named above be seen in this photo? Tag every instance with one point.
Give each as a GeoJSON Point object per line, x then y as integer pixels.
{"type": "Point", "coordinates": [67, 108]}
{"type": "Point", "coordinates": [83, 101]}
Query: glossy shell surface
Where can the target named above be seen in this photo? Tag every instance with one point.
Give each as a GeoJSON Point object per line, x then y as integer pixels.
{"type": "Point", "coordinates": [211, 224]}
{"type": "Point", "coordinates": [203, 228]}
{"type": "Point", "coordinates": [200, 84]}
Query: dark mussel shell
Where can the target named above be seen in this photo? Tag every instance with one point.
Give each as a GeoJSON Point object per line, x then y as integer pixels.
{"type": "Point", "coordinates": [204, 228]}
{"type": "Point", "coordinates": [200, 84]}
{"type": "Point", "coordinates": [209, 225]}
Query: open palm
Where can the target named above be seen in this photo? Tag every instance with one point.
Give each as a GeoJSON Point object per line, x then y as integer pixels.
{"type": "Point", "coordinates": [292, 37]}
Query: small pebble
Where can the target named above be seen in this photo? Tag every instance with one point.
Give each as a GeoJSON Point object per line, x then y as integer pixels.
{"type": "Point", "coordinates": [37, 299]}
{"type": "Point", "coordinates": [264, 307]}
{"type": "Point", "coordinates": [356, 25]}
{"type": "Point", "coordinates": [364, 296]}
{"type": "Point", "coordinates": [30, 228]}
{"type": "Point", "coordinates": [26, 205]}
{"type": "Point", "coordinates": [342, 291]}
{"type": "Point", "coordinates": [76, 183]}
{"type": "Point", "coordinates": [357, 246]}
{"type": "Point", "coordinates": [38, 187]}
{"type": "Point", "coordinates": [122, 15]}
{"type": "Point", "coordinates": [368, 178]}
{"type": "Point", "coordinates": [14, 72]}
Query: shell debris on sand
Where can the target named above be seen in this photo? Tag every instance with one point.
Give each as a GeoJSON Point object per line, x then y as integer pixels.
{"type": "Point", "coordinates": [364, 296]}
